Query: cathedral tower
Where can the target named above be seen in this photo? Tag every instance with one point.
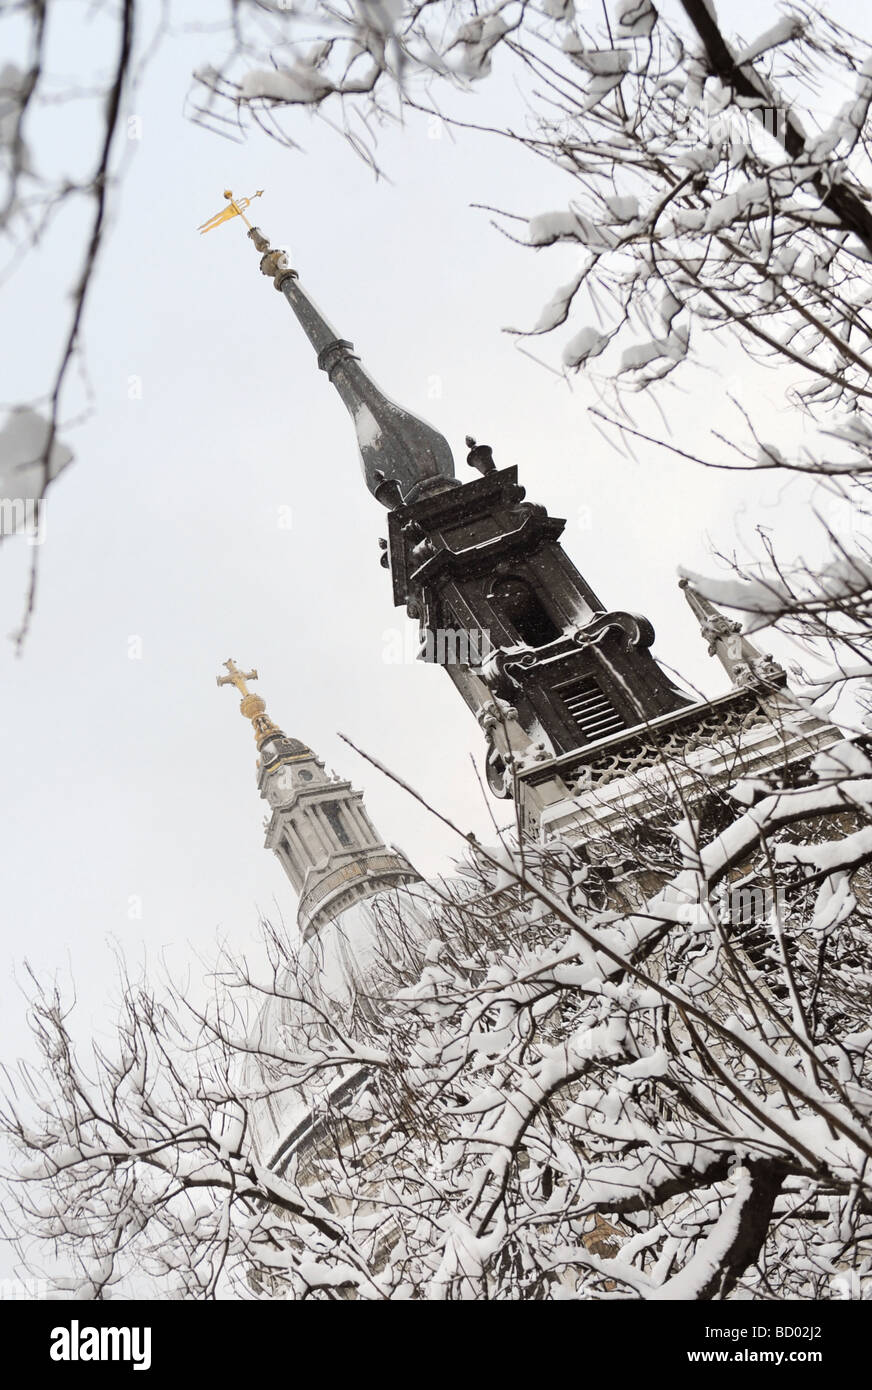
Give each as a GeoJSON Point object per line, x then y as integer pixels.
{"type": "Point", "coordinates": [541, 662]}
{"type": "Point", "coordinates": [578, 716]}
{"type": "Point", "coordinates": [319, 828]}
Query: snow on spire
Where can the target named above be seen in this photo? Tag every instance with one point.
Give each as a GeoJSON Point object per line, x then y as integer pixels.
{"type": "Point", "coordinates": [403, 457]}
{"type": "Point", "coordinates": [744, 663]}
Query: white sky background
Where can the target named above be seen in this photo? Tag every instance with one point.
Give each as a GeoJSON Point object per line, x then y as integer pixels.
{"type": "Point", "coordinates": [135, 778]}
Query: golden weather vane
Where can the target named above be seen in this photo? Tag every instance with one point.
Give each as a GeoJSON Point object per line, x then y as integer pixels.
{"type": "Point", "coordinates": [235, 208]}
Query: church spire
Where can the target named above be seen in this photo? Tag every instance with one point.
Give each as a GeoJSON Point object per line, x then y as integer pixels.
{"type": "Point", "coordinates": [319, 829]}
{"type": "Point", "coordinates": [545, 668]}
{"type": "Point", "coordinates": [403, 457]}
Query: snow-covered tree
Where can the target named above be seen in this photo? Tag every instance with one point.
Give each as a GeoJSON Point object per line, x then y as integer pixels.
{"type": "Point", "coordinates": [641, 1072]}
{"type": "Point", "coordinates": [637, 1070]}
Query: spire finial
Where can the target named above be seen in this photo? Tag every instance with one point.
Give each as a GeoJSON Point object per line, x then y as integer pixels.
{"type": "Point", "coordinates": [236, 677]}
{"type": "Point", "coordinates": [480, 456]}
{"type": "Point", "coordinates": [235, 208]}
{"type": "Point", "coordinates": [252, 706]}
{"type": "Point", "coordinates": [403, 457]}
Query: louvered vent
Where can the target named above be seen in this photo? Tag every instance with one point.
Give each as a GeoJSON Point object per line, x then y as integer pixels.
{"type": "Point", "coordinates": [591, 709]}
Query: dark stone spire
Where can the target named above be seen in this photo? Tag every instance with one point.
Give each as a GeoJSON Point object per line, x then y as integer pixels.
{"type": "Point", "coordinates": [403, 457]}
{"type": "Point", "coordinates": [547, 671]}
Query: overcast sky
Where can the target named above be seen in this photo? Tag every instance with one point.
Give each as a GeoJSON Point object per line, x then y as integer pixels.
{"type": "Point", "coordinates": [130, 783]}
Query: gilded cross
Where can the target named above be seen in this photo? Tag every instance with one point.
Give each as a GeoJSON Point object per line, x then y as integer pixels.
{"type": "Point", "coordinates": [236, 677]}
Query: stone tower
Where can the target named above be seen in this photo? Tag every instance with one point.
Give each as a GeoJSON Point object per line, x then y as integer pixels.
{"type": "Point", "coordinates": [571, 701]}
{"type": "Point", "coordinates": [546, 668]}
{"type": "Point", "coordinates": [319, 828]}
